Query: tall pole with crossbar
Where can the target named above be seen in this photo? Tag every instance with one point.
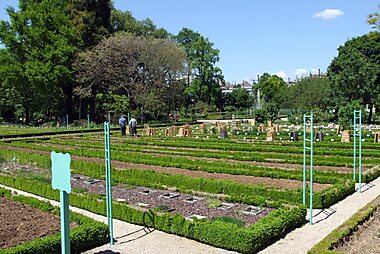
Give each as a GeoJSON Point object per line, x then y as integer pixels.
{"type": "Point", "coordinates": [308, 146]}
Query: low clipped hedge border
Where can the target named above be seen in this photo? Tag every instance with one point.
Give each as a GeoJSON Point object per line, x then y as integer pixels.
{"type": "Point", "coordinates": [249, 194]}
{"type": "Point", "coordinates": [216, 233]}
{"type": "Point", "coordinates": [337, 236]}
{"type": "Point", "coordinates": [88, 235]}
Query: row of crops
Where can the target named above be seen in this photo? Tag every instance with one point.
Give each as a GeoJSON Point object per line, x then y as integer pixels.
{"type": "Point", "coordinates": [205, 165]}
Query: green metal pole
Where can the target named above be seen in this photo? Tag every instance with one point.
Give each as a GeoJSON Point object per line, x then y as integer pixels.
{"type": "Point", "coordinates": [355, 130]}
{"type": "Point", "coordinates": [67, 121]}
{"type": "Point", "coordinates": [88, 121]}
{"type": "Point", "coordinates": [360, 151]}
{"type": "Point", "coordinates": [311, 169]}
{"type": "Point", "coordinates": [65, 222]}
{"type": "Point", "coordinates": [304, 160]}
{"type": "Point", "coordinates": [108, 179]}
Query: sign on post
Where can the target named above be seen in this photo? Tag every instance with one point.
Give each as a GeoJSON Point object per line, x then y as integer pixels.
{"type": "Point", "coordinates": [61, 181]}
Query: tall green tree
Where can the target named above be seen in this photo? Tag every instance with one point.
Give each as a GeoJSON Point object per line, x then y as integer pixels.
{"type": "Point", "coordinates": [204, 78]}
{"type": "Point", "coordinates": [355, 72]}
{"type": "Point", "coordinates": [271, 87]}
{"type": "Point", "coordinates": [307, 94]}
{"type": "Point", "coordinates": [41, 46]}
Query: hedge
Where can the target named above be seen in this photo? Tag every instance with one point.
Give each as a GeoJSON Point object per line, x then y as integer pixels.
{"type": "Point", "coordinates": [89, 234]}
{"type": "Point", "coordinates": [338, 235]}
{"type": "Point", "coordinates": [216, 233]}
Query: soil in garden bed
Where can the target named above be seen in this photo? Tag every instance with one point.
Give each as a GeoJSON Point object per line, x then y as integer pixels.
{"type": "Point", "coordinates": [366, 240]}
{"type": "Point", "coordinates": [21, 223]}
{"type": "Point", "coordinates": [273, 182]}
{"type": "Point", "coordinates": [188, 205]}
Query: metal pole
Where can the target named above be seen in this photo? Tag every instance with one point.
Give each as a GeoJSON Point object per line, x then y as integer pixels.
{"type": "Point", "coordinates": [88, 121]}
{"type": "Point", "coordinates": [304, 160]}
{"type": "Point", "coordinates": [67, 121]}
{"type": "Point", "coordinates": [360, 151]}
{"type": "Point", "coordinates": [311, 169]}
{"type": "Point", "coordinates": [107, 154]}
{"type": "Point", "coordinates": [355, 130]}
{"type": "Point", "coordinates": [65, 222]}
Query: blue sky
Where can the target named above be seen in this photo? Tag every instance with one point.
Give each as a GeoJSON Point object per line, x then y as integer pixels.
{"type": "Point", "coordinates": [275, 36]}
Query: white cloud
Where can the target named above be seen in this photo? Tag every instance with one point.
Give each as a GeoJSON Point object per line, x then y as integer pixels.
{"type": "Point", "coordinates": [328, 14]}
{"type": "Point", "coordinates": [282, 75]}
{"type": "Point", "coordinates": [300, 73]}
{"type": "Point", "coordinates": [314, 71]}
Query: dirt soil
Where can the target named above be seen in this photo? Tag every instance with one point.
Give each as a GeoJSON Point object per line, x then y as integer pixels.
{"type": "Point", "coordinates": [277, 183]}
{"type": "Point", "coordinates": [366, 240]}
{"type": "Point", "coordinates": [142, 198]}
{"type": "Point", "coordinates": [269, 164]}
{"type": "Point", "coordinates": [21, 223]}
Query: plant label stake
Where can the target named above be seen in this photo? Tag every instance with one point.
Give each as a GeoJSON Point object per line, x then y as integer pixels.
{"type": "Point", "coordinates": [308, 122]}
{"type": "Point", "coordinates": [358, 133]}
{"type": "Point", "coordinates": [61, 181]}
{"type": "Point", "coordinates": [107, 155]}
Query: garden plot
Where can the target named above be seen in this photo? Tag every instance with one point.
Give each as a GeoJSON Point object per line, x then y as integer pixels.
{"type": "Point", "coordinates": [21, 223]}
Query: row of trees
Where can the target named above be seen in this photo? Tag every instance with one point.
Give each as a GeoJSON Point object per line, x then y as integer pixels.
{"type": "Point", "coordinates": [73, 57]}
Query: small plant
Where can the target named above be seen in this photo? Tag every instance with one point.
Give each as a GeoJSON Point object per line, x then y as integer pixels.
{"type": "Point", "coordinates": [163, 208]}
{"type": "Point", "coordinates": [213, 203]}
{"type": "Point", "coordinates": [80, 190]}
{"type": "Point", "coordinates": [232, 220]}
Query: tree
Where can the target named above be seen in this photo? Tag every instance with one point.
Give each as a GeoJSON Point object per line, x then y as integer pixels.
{"type": "Point", "coordinates": [40, 47]}
{"type": "Point", "coordinates": [125, 22]}
{"type": "Point", "coordinates": [373, 20]}
{"type": "Point", "coordinates": [355, 72]}
{"type": "Point", "coordinates": [270, 87]}
{"type": "Point", "coordinates": [146, 70]}
{"type": "Point", "coordinates": [41, 40]}
{"type": "Point", "coordinates": [240, 98]}
{"type": "Point", "coordinates": [307, 94]}
{"type": "Point", "coordinates": [203, 76]}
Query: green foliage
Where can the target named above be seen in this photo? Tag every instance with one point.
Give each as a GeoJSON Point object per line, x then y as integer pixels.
{"type": "Point", "coordinates": [346, 113]}
{"type": "Point", "coordinates": [355, 71]}
{"type": "Point", "coordinates": [373, 20]}
{"type": "Point", "coordinates": [307, 94]}
{"type": "Point", "coordinates": [231, 220]}
{"type": "Point", "coordinates": [338, 235]}
{"type": "Point", "coordinates": [270, 87]}
{"type": "Point", "coordinates": [88, 235]}
{"type": "Point", "coordinates": [240, 98]}
{"type": "Point", "coordinates": [205, 77]}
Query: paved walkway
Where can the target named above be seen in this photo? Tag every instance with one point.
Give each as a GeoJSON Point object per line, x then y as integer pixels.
{"type": "Point", "coordinates": [135, 239]}
{"type": "Point", "coordinates": [300, 240]}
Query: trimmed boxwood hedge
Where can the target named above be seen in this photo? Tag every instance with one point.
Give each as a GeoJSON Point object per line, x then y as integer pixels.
{"type": "Point", "coordinates": [216, 233]}
{"type": "Point", "coordinates": [89, 234]}
{"type": "Point", "coordinates": [336, 237]}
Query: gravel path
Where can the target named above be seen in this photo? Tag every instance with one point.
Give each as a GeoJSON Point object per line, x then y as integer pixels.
{"type": "Point", "coordinates": [137, 239]}
{"type": "Point", "coordinates": [302, 239]}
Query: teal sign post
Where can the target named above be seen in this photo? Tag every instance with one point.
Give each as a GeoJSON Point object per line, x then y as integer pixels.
{"type": "Point", "coordinates": [88, 121]}
{"type": "Point", "coordinates": [358, 133]}
{"type": "Point", "coordinates": [308, 122]}
{"type": "Point", "coordinates": [61, 181]}
{"type": "Point", "coordinates": [107, 155]}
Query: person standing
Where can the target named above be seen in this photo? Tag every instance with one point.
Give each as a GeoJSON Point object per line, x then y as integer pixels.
{"type": "Point", "coordinates": [123, 125]}
{"type": "Point", "coordinates": [133, 126]}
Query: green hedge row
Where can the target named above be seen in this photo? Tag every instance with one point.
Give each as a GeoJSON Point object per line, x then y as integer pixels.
{"type": "Point", "coordinates": [197, 165]}
{"type": "Point", "coordinates": [89, 234]}
{"type": "Point", "coordinates": [337, 236]}
{"type": "Point", "coordinates": [237, 192]}
{"type": "Point", "coordinates": [216, 233]}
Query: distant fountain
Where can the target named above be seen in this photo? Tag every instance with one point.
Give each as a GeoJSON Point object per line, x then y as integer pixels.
{"type": "Point", "coordinates": [258, 103]}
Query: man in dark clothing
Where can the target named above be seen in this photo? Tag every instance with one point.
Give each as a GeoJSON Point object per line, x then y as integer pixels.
{"type": "Point", "coordinates": [123, 125]}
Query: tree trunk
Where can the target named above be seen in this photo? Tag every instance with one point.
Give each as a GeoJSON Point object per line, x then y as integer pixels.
{"type": "Point", "coordinates": [68, 100]}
